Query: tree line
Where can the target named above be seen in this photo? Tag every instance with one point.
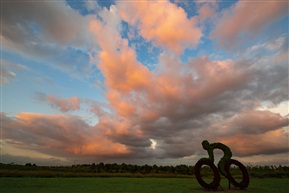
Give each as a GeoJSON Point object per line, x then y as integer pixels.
{"type": "Point", "coordinates": [115, 169]}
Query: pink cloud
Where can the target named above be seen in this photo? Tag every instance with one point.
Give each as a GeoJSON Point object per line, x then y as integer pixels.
{"type": "Point", "coordinates": [123, 107]}
{"type": "Point", "coordinates": [214, 77]}
{"type": "Point", "coordinates": [249, 122]}
{"type": "Point", "coordinates": [271, 142]}
{"type": "Point", "coordinates": [64, 105]}
{"type": "Point", "coordinates": [116, 60]}
{"type": "Point", "coordinates": [163, 23]}
{"type": "Point", "coordinates": [207, 11]}
{"type": "Point", "coordinates": [177, 100]}
{"type": "Point", "coordinates": [98, 109]}
{"type": "Point", "coordinates": [253, 122]}
{"type": "Point", "coordinates": [172, 104]}
{"type": "Point", "coordinates": [132, 89]}
{"type": "Point", "coordinates": [122, 71]}
{"type": "Point", "coordinates": [247, 17]}
{"type": "Point", "coordinates": [58, 135]}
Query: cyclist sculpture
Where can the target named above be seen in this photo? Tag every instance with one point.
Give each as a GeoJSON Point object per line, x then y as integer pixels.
{"type": "Point", "coordinates": [223, 166]}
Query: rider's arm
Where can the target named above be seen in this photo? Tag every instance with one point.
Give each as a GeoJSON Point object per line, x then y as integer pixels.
{"type": "Point", "coordinates": [211, 154]}
{"type": "Point", "coordinates": [226, 150]}
{"type": "Point", "coordinates": [211, 150]}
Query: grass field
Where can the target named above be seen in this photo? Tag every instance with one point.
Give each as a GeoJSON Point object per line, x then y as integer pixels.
{"type": "Point", "coordinates": [129, 185]}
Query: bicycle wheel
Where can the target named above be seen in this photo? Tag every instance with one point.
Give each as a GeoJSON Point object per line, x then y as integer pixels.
{"type": "Point", "coordinates": [216, 181]}
{"type": "Point", "coordinates": [245, 180]}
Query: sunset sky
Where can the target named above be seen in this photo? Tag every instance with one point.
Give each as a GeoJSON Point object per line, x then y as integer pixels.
{"type": "Point", "coordinates": [143, 82]}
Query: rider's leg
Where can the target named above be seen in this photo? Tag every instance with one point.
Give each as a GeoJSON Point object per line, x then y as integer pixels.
{"type": "Point", "coordinates": [221, 166]}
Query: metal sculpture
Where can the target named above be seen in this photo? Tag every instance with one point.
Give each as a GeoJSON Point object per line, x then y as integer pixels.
{"type": "Point", "coordinates": [223, 167]}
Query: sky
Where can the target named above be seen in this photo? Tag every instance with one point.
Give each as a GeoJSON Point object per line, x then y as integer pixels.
{"type": "Point", "coordinates": [143, 82]}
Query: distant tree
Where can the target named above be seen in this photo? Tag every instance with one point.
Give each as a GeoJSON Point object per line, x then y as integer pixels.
{"type": "Point", "coordinates": [123, 168]}
{"type": "Point", "coordinates": [93, 167]}
{"type": "Point", "coordinates": [155, 169]}
{"type": "Point", "coordinates": [100, 167]}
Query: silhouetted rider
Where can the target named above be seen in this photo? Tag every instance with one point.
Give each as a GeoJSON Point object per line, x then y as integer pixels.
{"type": "Point", "coordinates": [227, 154]}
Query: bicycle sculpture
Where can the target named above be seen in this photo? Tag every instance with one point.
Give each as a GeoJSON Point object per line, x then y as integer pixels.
{"type": "Point", "coordinates": [223, 166]}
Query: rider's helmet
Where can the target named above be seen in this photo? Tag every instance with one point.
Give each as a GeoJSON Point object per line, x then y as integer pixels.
{"type": "Point", "coordinates": [205, 144]}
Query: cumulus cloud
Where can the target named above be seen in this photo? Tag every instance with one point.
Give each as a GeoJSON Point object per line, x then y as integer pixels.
{"type": "Point", "coordinates": [175, 107]}
{"type": "Point", "coordinates": [155, 20]}
{"type": "Point", "coordinates": [178, 102]}
{"type": "Point", "coordinates": [246, 17]}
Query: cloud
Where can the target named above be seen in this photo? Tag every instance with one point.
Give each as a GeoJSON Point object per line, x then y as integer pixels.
{"type": "Point", "coordinates": [250, 122]}
{"type": "Point", "coordinates": [74, 103]}
{"type": "Point", "coordinates": [58, 135]}
{"type": "Point", "coordinates": [7, 68]}
{"type": "Point", "coordinates": [271, 74]}
{"type": "Point", "coordinates": [5, 75]}
{"type": "Point", "coordinates": [277, 159]}
{"type": "Point", "coordinates": [207, 10]}
{"type": "Point", "coordinates": [177, 105]}
{"type": "Point", "coordinates": [180, 101]}
{"type": "Point", "coordinates": [171, 107]}
{"type": "Point", "coordinates": [92, 6]}
{"type": "Point", "coordinates": [155, 21]}
{"type": "Point", "coordinates": [106, 31]}
{"type": "Point", "coordinates": [249, 18]}
{"type": "Point", "coordinates": [118, 63]}
{"type": "Point", "coordinates": [48, 32]}
{"type": "Point", "coordinates": [38, 160]}
{"type": "Point", "coordinates": [122, 71]}
{"type": "Point", "coordinates": [269, 143]}
{"type": "Point", "coordinates": [208, 99]}
{"type": "Point", "coordinates": [50, 21]}
{"type": "Point", "coordinates": [64, 105]}
{"type": "Point", "coordinates": [97, 108]}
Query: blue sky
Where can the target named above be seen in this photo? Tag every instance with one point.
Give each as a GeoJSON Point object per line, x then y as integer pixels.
{"type": "Point", "coordinates": [143, 81]}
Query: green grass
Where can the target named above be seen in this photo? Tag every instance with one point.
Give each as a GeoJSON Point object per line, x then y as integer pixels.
{"type": "Point", "coordinates": [129, 185]}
